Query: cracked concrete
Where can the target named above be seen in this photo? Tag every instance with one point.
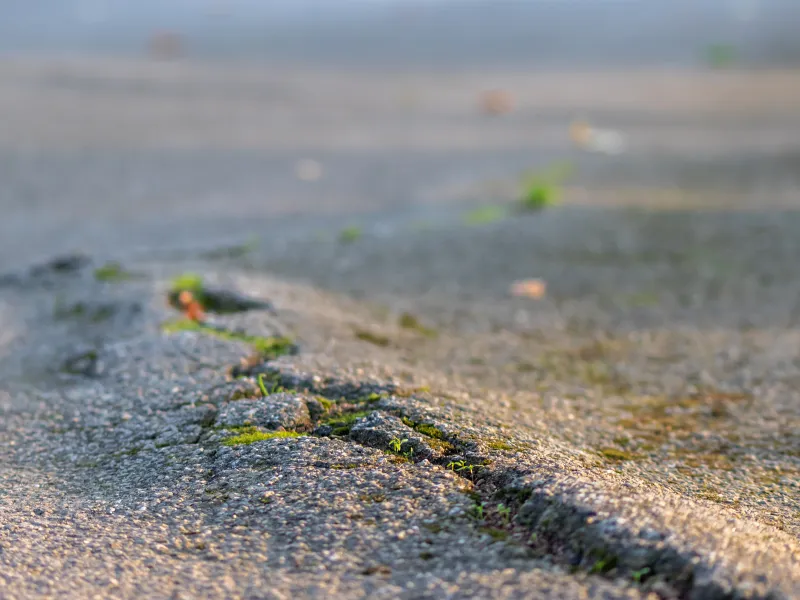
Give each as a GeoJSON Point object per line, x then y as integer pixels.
{"type": "Point", "coordinates": [407, 492]}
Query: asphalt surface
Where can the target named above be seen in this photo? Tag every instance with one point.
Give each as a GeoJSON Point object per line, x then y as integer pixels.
{"type": "Point", "coordinates": [631, 433]}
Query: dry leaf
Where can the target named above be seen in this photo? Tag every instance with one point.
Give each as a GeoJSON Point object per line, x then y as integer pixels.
{"type": "Point", "coordinates": [497, 102]}
{"type": "Point", "coordinates": [191, 307]}
{"type": "Point", "coordinates": [529, 288]}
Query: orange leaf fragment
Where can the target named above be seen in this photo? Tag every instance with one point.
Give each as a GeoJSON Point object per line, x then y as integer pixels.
{"type": "Point", "coordinates": [191, 307]}
{"type": "Point", "coordinates": [529, 288]}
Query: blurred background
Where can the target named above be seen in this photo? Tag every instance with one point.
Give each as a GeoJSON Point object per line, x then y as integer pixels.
{"type": "Point", "coordinates": [333, 136]}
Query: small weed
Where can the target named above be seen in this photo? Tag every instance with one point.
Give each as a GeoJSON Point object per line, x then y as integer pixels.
{"type": "Point", "coordinates": [462, 465]}
{"type": "Point", "coordinates": [485, 215]}
{"type": "Point", "coordinates": [249, 437]}
{"type": "Point", "coordinates": [396, 444]}
{"type": "Point", "coordinates": [478, 510]}
{"type": "Point", "coordinates": [274, 388]}
{"type": "Point", "coordinates": [112, 272]}
{"type": "Point", "coordinates": [504, 512]}
{"type": "Point", "coordinates": [373, 338]}
{"type": "Point", "coordinates": [641, 574]}
{"type": "Point", "coordinates": [261, 385]}
{"type": "Point", "coordinates": [351, 234]}
{"type": "Point", "coordinates": [604, 564]}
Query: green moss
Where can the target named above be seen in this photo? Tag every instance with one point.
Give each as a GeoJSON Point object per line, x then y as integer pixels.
{"type": "Point", "coordinates": [409, 321]}
{"type": "Point", "coordinates": [543, 189]}
{"type": "Point", "coordinates": [407, 393]}
{"type": "Point", "coordinates": [615, 454]}
{"type": "Point", "coordinates": [498, 535]}
{"type": "Point", "coordinates": [189, 282]}
{"type": "Point", "coordinates": [373, 338]}
{"type": "Point", "coordinates": [430, 431]}
{"type": "Point", "coordinates": [442, 446]}
{"type": "Point", "coordinates": [326, 404]}
{"type": "Point", "coordinates": [484, 215]}
{"type": "Point", "coordinates": [350, 234]}
{"type": "Point", "coordinates": [342, 424]}
{"type": "Point", "coordinates": [344, 466]}
{"type": "Point", "coordinates": [436, 437]}
{"type": "Point", "coordinates": [500, 445]}
{"type": "Point", "coordinates": [256, 436]}
{"type": "Point", "coordinates": [267, 347]}
{"type": "Point", "coordinates": [372, 398]}
{"type": "Point", "coordinates": [113, 272]}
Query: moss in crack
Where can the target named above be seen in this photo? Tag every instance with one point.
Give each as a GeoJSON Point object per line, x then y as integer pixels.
{"type": "Point", "coordinates": [249, 437]}
{"type": "Point", "coordinates": [436, 437]}
{"type": "Point", "coordinates": [441, 446]}
{"type": "Point", "coordinates": [267, 347]}
{"type": "Point", "coordinates": [343, 423]}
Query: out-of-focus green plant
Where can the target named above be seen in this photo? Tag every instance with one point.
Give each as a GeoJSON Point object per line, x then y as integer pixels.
{"type": "Point", "coordinates": [720, 56]}
{"type": "Point", "coordinates": [543, 189]}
